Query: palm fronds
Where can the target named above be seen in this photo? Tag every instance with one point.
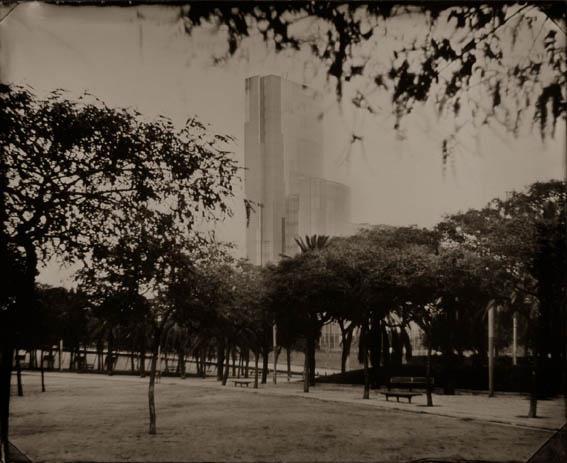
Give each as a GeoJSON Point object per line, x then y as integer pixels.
{"type": "Point", "coordinates": [312, 243]}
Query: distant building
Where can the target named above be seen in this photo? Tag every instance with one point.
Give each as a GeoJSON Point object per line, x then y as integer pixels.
{"type": "Point", "coordinates": [283, 145]}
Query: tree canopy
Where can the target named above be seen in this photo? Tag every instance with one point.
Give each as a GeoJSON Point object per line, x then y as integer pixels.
{"type": "Point", "coordinates": [500, 63]}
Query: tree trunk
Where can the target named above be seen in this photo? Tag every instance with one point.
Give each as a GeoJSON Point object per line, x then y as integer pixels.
{"type": "Point", "coordinates": [151, 388]}
{"type": "Point", "coordinates": [256, 356]}
{"type": "Point", "coordinates": [24, 296]}
{"type": "Point", "coordinates": [197, 356]}
{"type": "Point", "coordinates": [85, 355]}
{"type": "Point", "coordinates": [247, 364]}
{"type": "Point", "coordinates": [6, 356]}
{"type": "Point", "coordinates": [204, 363]}
{"type": "Point", "coordinates": [181, 363]}
{"type": "Point", "coordinates": [42, 372]}
{"type": "Point", "coordinates": [220, 359]}
{"type": "Point", "coordinates": [364, 342]}
{"type": "Point", "coordinates": [226, 366]}
{"type": "Point", "coordinates": [311, 349]}
{"type": "Point", "coordinates": [233, 355]}
{"type": "Point", "coordinates": [100, 355]}
{"type": "Point", "coordinates": [19, 374]}
{"type": "Point", "coordinates": [265, 358]}
{"type": "Point", "coordinates": [72, 357]}
{"type": "Point", "coordinates": [288, 355]}
{"type": "Point", "coordinates": [449, 363]}
{"type": "Point", "coordinates": [532, 413]}
{"type": "Point", "coordinates": [491, 351]}
{"type": "Point", "coordinates": [143, 361]}
{"type": "Point", "coordinates": [33, 359]}
{"type": "Point", "coordinates": [428, 374]}
{"type": "Point", "coordinates": [109, 356]}
{"type": "Point", "coordinates": [366, 394]}
{"type": "Point", "coordinates": [347, 342]}
{"type": "Point", "coordinates": [306, 369]}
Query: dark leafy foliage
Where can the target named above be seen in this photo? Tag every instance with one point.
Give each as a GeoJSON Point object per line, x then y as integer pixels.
{"type": "Point", "coordinates": [500, 63]}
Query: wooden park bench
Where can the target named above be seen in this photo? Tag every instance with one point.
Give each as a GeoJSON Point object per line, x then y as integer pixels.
{"type": "Point", "coordinates": [409, 382]}
{"type": "Point", "coordinates": [242, 382]}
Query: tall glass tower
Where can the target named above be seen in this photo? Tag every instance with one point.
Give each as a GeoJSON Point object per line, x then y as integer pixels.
{"type": "Point", "coordinates": [283, 143]}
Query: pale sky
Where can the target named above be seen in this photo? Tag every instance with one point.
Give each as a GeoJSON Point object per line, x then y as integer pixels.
{"type": "Point", "coordinates": [141, 58]}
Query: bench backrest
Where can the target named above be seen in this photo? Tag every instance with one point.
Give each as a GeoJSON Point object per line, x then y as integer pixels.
{"type": "Point", "coordinates": [410, 380]}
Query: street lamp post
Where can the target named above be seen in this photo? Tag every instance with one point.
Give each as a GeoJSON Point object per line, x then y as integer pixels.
{"type": "Point", "coordinates": [275, 327]}
{"type": "Point", "coordinates": [491, 350]}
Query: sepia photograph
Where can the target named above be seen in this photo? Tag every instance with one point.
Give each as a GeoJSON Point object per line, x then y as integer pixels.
{"type": "Point", "coordinates": [283, 231]}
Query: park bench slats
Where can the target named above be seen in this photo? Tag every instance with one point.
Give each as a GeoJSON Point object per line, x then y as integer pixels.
{"type": "Point", "coordinates": [408, 382]}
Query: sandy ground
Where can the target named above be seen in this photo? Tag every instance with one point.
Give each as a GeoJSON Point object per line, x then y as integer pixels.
{"type": "Point", "coordinates": [97, 418]}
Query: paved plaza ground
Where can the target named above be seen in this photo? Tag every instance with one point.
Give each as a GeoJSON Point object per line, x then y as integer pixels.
{"type": "Point", "coordinates": [90, 417]}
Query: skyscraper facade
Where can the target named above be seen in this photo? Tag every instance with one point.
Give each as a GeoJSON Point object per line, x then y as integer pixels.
{"type": "Point", "coordinates": [283, 143]}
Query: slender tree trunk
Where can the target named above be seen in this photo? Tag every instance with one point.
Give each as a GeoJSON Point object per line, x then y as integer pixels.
{"type": "Point", "coordinates": [306, 369]}
{"type": "Point", "coordinates": [428, 374]}
{"type": "Point", "coordinates": [72, 359]}
{"type": "Point", "coordinates": [143, 361]}
{"type": "Point", "coordinates": [42, 372]}
{"type": "Point", "coordinates": [197, 356]}
{"type": "Point", "coordinates": [132, 362]}
{"type": "Point", "coordinates": [366, 394]}
{"type": "Point", "coordinates": [227, 366]}
{"type": "Point", "coordinates": [100, 356]}
{"type": "Point", "coordinates": [288, 355]}
{"type": "Point", "coordinates": [491, 350]}
{"type": "Point", "coordinates": [151, 388]}
{"type": "Point", "coordinates": [265, 358]}
{"type": "Point", "coordinates": [277, 352]}
{"type": "Point", "coordinates": [110, 357]}
{"type": "Point", "coordinates": [247, 364]}
{"type": "Point", "coordinates": [6, 356]}
{"type": "Point", "coordinates": [33, 360]}
{"type": "Point", "coordinates": [256, 357]}
{"type": "Point", "coordinates": [311, 349]}
{"type": "Point", "coordinates": [364, 340]}
{"type": "Point", "coordinates": [347, 342]}
{"type": "Point", "coordinates": [233, 355]}
{"type": "Point", "coordinates": [532, 413]}
{"type": "Point", "coordinates": [19, 374]}
{"type": "Point", "coordinates": [204, 363]}
{"type": "Point", "coordinates": [181, 363]}
{"type": "Point", "coordinates": [220, 359]}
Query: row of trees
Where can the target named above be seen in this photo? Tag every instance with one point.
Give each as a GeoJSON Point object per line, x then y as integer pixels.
{"type": "Point", "coordinates": [378, 281]}
{"type": "Point", "coordinates": [509, 254]}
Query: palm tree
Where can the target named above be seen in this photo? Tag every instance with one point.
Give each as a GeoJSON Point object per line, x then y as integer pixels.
{"type": "Point", "coordinates": [312, 243]}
